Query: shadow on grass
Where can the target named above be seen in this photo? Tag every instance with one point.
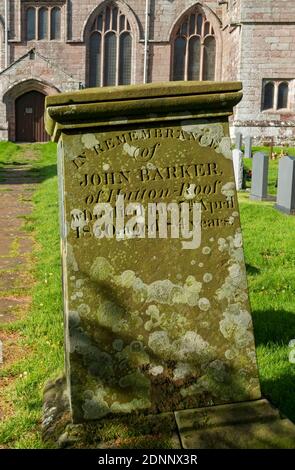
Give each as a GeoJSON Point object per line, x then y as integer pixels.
{"type": "Point", "coordinates": [278, 391]}
{"type": "Point", "coordinates": [252, 270]}
{"type": "Point", "coordinates": [277, 326]}
{"type": "Point", "coordinates": [14, 163]}
{"type": "Point", "coordinates": [14, 175]}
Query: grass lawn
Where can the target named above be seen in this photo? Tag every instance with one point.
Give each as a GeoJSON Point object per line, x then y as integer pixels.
{"type": "Point", "coordinates": [273, 167]}
{"type": "Point", "coordinates": [41, 330]}
{"type": "Point", "coordinates": [270, 258]}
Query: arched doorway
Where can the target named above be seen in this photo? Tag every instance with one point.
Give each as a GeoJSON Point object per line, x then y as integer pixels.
{"type": "Point", "coordinates": [29, 115]}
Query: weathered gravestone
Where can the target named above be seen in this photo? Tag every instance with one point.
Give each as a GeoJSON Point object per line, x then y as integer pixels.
{"type": "Point", "coordinates": [153, 323]}
{"type": "Point", "coordinates": [238, 140]}
{"type": "Point", "coordinates": [286, 186]}
{"type": "Point", "coordinates": [157, 316]}
{"type": "Point", "coordinates": [238, 168]}
{"type": "Point", "coordinates": [248, 146]}
{"type": "Point", "coordinates": [259, 176]}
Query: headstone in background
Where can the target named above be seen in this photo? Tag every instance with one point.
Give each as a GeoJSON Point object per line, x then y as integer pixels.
{"type": "Point", "coordinates": [238, 140]}
{"type": "Point", "coordinates": [238, 168]}
{"type": "Point", "coordinates": [152, 323]}
{"type": "Point", "coordinates": [286, 186]}
{"type": "Point", "coordinates": [259, 176]}
{"type": "Point", "coordinates": [271, 146]}
{"type": "Point", "coordinates": [248, 146]}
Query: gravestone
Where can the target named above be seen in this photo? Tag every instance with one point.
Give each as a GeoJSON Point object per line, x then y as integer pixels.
{"type": "Point", "coordinates": [238, 168]}
{"type": "Point", "coordinates": [157, 316]}
{"type": "Point", "coordinates": [239, 140]}
{"type": "Point", "coordinates": [259, 176]}
{"type": "Point", "coordinates": [286, 186]}
{"type": "Point", "coordinates": [248, 147]}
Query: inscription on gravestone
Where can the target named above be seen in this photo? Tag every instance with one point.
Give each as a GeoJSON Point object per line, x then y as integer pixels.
{"type": "Point", "coordinates": [157, 316]}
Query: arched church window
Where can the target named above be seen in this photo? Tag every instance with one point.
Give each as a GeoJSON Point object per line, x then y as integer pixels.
{"type": "Point", "coordinates": [209, 58]}
{"type": "Point", "coordinates": [194, 49]}
{"type": "Point", "coordinates": [110, 48]}
{"type": "Point", "coordinates": [283, 92]}
{"type": "Point", "coordinates": [43, 23]}
{"type": "Point", "coordinates": [268, 98]}
{"type": "Point", "coordinates": [125, 48]}
{"type": "Point", "coordinates": [95, 59]}
{"type": "Point", "coordinates": [275, 94]}
{"type": "Point", "coordinates": [55, 23]}
{"type": "Point", "coordinates": [179, 58]}
{"type": "Point", "coordinates": [31, 23]}
{"type": "Point", "coordinates": [194, 65]}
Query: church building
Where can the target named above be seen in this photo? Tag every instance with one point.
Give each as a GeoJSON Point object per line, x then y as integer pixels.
{"type": "Point", "coordinates": [47, 47]}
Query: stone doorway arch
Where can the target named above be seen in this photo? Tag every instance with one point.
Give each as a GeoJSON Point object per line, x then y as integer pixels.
{"type": "Point", "coordinates": [25, 101]}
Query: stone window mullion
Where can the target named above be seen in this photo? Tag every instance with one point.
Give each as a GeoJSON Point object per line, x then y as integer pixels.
{"type": "Point", "coordinates": [276, 94]}
{"type": "Point", "coordinates": [202, 59]}
{"type": "Point", "coordinates": [186, 58]}
{"type": "Point", "coordinates": [202, 39]}
{"type": "Point", "coordinates": [117, 57]}
{"type": "Point", "coordinates": [49, 23]}
{"type": "Point", "coordinates": [102, 60]}
{"type": "Point", "coordinates": [37, 10]}
{"type": "Point", "coordinates": [103, 33]}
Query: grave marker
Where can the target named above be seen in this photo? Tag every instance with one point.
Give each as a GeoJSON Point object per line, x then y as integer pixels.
{"type": "Point", "coordinates": [286, 186]}
{"type": "Point", "coordinates": [259, 176]}
{"type": "Point", "coordinates": [248, 147]}
{"type": "Point", "coordinates": [239, 140]}
{"type": "Point", "coordinates": [238, 168]}
{"type": "Point", "coordinates": [157, 316]}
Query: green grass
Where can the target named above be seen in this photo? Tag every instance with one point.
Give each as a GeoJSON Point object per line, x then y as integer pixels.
{"type": "Point", "coordinates": [42, 329]}
{"type": "Point", "coordinates": [10, 153]}
{"type": "Point", "coordinates": [270, 258]}
{"type": "Point", "coordinates": [273, 167]}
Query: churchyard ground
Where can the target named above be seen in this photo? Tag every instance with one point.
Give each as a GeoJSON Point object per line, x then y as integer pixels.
{"type": "Point", "coordinates": [33, 336]}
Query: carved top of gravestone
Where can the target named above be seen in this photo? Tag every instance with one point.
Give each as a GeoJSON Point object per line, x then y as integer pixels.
{"type": "Point", "coordinates": [139, 103]}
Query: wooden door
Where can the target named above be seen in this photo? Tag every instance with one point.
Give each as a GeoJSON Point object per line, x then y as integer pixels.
{"type": "Point", "coordinates": [29, 115]}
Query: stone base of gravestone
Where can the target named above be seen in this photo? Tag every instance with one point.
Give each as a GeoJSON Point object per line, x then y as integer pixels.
{"type": "Point", "coordinates": [124, 431]}
{"type": "Point", "coordinates": [247, 425]}
{"type": "Point", "coordinates": [285, 210]}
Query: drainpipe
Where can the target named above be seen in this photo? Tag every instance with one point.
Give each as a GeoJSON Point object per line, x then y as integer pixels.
{"type": "Point", "coordinates": [146, 40]}
{"type": "Point", "coordinates": [6, 34]}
